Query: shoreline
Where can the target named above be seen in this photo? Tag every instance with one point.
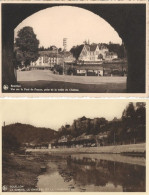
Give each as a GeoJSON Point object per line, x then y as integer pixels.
{"type": "Point", "coordinates": [23, 176]}
{"type": "Point", "coordinates": [21, 172]}
{"type": "Point", "coordinates": [129, 149]}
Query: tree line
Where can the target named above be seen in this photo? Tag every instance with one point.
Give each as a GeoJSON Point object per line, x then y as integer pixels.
{"type": "Point", "coordinates": [130, 128]}
{"type": "Point", "coordinates": [119, 49]}
{"type": "Point", "coordinates": [26, 47]}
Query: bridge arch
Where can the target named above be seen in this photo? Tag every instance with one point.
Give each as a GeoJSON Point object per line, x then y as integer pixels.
{"type": "Point", "coordinates": [127, 19]}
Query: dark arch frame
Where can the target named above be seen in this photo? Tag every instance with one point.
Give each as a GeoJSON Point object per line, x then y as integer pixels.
{"type": "Point", "coordinates": [129, 20]}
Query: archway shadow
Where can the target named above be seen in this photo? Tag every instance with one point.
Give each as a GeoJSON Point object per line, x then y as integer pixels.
{"type": "Point", "coordinates": [129, 20]}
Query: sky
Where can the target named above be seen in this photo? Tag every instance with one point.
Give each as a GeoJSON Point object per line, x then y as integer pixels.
{"type": "Point", "coordinates": [51, 25]}
{"type": "Point", "coordinates": [55, 112]}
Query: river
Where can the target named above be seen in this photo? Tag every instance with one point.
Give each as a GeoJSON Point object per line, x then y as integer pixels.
{"type": "Point", "coordinates": [93, 173]}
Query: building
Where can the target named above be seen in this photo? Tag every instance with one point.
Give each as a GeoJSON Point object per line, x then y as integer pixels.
{"type": "Point", "coordinates": [65, 43]}
{"type": "Point", "coordinates": [50, 58]}
{"type": "Point", "coordinates": [68, 57]}
{"type": "Point", "coordinates": [92, 53]}
{"type": "Point", "coordinates": [110, 56]}
{"type": "Point", "coordinates": [95, 53]}
{"type": "Point", "coordinates": [90, 71]}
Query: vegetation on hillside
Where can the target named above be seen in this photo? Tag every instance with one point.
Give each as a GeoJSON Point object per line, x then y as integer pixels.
{"type": "Point", "coordinates": [130, 128]}
{"type": "Point", "coordinates": [14, 135]}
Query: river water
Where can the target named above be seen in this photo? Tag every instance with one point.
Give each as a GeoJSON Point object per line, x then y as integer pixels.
{"type": "Point", "coordinates": [93, 173]}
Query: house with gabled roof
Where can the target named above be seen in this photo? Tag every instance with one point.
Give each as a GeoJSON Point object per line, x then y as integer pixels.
{"type": "Point", "coordinates": [95, 53]}
{"type": "Point", "coordinates": [92, 52]}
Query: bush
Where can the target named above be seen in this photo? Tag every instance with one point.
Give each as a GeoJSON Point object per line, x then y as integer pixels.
{"type": "Point", "coordinates": [71, 71]}
{"type": "Point", "coordinates": [58, 69]}
{"type": "Point", "coordinates": [9, 143]}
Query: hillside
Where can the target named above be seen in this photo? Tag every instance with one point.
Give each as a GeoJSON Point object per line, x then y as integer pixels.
{"type": "Point", "coordinates": [25, 133]}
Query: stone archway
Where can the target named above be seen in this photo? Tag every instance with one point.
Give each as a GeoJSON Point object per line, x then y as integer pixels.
{"type": "Point", "coordinates": [129, 20]}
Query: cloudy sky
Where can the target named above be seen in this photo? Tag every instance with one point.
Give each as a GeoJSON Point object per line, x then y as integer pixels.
{"type": "Point", "coordinates": [51, 25]}
{"type": "Point", "coordinates": [55, 113]}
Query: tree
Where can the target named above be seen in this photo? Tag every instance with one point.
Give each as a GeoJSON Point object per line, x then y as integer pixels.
{"type": "Point", "coordinates": [58, 68]}
{"type": "Point", "coordinates": [41, 48]}
{"type": "Point", "coordinates": [10, 143]}
{"type": "Point", "coordinates": [117, 48]}
{"type": "Point", "coordinates": [99, 125]}
{"type": "Point", "coordinates": [76, 50]}
{"type": "Point", "coordinates": [27, 46]}
{"type": "Point", "coordinates": [140, 113]}
{"type": "Point", "coordinates": [141, 121]}
{"type": "Point", "coordinates": [60, 49]}
{"type": "Point", "coordinates": [129, 122]}
{"type": "Point", "coordinates": [71, 71]}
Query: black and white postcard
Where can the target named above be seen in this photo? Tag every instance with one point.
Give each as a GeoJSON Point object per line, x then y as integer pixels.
{"type": "Point", "coordinates": [74, 145]}
{"type": "Point", "coordinates": [74, 48]}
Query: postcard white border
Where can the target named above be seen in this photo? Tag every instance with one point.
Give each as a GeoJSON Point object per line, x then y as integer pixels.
{"type": "Point", "coordinates": [4, 102]}
{"type": "Point", "coordinates": [97, 95]}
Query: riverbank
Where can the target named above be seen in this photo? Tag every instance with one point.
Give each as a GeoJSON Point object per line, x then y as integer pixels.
{"type": "Point", "coordinates": [115, 149]}
{"type": "Point", "coordinates": [19, 173]}
{"type": "Point", "coordinates": [66, 172]}
{"type": "Point", "coordinates": [132, 150]}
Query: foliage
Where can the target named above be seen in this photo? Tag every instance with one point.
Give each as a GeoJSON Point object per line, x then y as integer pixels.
{"type": "Point", "coordinates": [117, 48]}
{"type": "Point", "coordinates": [130, 128]}
{"type": "Point", "coordinates": [134, 118]}
{"type": "Point", "coordinates": [42, 48]}
{"type": "Point", "coordinates": [60, 49]}
{"type": "Point", "coordinates": [58, 68]}
{"type": "Point", "coordinates": [84, 125]}
{"type": "Point", "coordinates": [10, 142]}
{"type": "Point", "coordinates": [71, 71]}
{"type": "Point", "coordinates": [75, 50]}
{"type": "Point", "coordinates": [27, 46]}
{"type": "Point", "coordinates": [28, 133]}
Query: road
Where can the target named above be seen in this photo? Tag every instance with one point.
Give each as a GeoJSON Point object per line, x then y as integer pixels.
{"type": "Point", "coordinates": [46, 79]}
{"type": "Point", "coordinates": [47, 75]}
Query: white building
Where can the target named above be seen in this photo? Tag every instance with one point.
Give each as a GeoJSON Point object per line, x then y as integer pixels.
{"type": "Point", "coordinates": [95, 53]}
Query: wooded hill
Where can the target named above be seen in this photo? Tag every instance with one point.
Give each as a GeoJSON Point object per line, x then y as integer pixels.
{"type": "Point", "coordinates": [24, 133]}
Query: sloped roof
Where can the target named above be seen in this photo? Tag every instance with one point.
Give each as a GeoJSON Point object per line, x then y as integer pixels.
{"type": "Point", "coordinates": [87, 47]}
{"type": "Point", "coordinates": [67, 54]}
{"type": "Point", "coordinates": [93, 47]}
{"type": "Point", "coordinates": [49, 54]}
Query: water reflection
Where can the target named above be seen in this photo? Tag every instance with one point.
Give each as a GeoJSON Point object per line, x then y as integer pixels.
{"type": "Point", "coordinates": [90, 174]}
{"type": "Point", "coordinates": [101, 172]}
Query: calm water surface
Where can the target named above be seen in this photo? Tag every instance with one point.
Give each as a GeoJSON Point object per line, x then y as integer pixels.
{"type": "Point", "coordinates": [96, 173]}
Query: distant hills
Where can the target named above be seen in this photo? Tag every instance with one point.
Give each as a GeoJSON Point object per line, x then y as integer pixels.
{"type": "Point", "coordinates": [26, 133]}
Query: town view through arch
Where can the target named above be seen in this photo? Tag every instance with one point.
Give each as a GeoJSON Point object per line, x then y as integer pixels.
{"type": "Point", "coordinates": [58, 50]}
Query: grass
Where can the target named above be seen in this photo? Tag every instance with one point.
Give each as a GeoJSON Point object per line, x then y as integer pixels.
{"type": "Point", "coordinates": [19, 173]}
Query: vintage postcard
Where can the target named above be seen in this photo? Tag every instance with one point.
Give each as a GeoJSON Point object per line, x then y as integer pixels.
{"type": "Point", "coordinates": [74, 145]}
{"type": "Point", "coordinates": [74, 48]}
